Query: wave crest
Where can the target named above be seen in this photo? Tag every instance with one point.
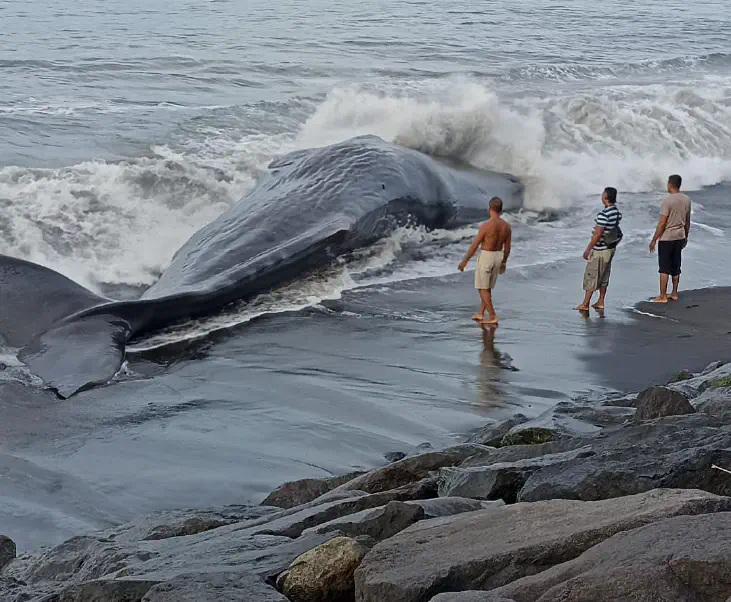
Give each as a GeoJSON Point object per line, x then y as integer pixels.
{"type": "Point", "coordinates": [563, 147]}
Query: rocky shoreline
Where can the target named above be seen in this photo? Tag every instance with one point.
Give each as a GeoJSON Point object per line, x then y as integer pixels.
{"type": "Point", "coordinates": [621, 498]}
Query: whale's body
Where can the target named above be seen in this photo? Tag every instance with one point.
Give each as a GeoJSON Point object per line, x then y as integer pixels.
{"type": "Point", "coordinates": [311, 207]}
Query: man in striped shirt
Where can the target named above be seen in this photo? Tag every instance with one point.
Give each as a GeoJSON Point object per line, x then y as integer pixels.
{"type": "Point", "coordinates": [600, 251]}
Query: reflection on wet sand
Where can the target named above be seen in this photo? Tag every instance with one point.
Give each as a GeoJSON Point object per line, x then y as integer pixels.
{"type": "Point", "coordinates": [492, 364]}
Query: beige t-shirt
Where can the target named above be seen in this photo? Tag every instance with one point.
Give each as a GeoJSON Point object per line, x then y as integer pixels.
{"type": "Point", "coordinates": [677, 207]}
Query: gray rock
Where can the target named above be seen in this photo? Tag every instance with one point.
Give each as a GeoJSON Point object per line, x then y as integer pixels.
{"type": "Point", "coordinates": [673, 452]}
{"type": "Point", "coordinates": [292, 525]}
{"type": "Point", "coordinates": [214, 587]}
{"type": "Point", "coordinates": [104, 590]}
{"type": "Point", "coordinates": [324, 574]}
{"type": "Point", "coordinates": [417, 450]}
{"type": "Point", "coordinates": [596, 416]}
{"type": "Point", "coordinates": [713, 366]}
{"type": "Point", "coordinates": [626, 401]}
{"type": "Point", "coordinates": [487, 549]}
{"type": "Point", "coordinates": [492, 434]}
{"type": "Point", "coordinates": [86, 559]}
{"type": "Point", "coordinates": [262, 545]}
{"type": "Point", "coordinates": [7, 550]}
{"type": "Point", "coordinates": [716, 403]}
{"type": "Point", "coordinates": [681, 376]}
{"type": "Point", "coordinates": [514, 453]}
{"type": "Point", "coordinates": [674, 560]}
{"type": "Point", "coordinates": [695, 386]}
{"type": "Point", "coordinates": [296, 493]}
{"type": "Point", "coordinates": [472, 596]}
{"type": "Point", "coordinates": [448, 506]}
{"type": "Point", "coordinates": [501, 481]}
{"type": "Point", "coordinates": [411, 469]}
{"type": "Point", "coordinates": [657, 402]}
{"type": "Point", "coordinates": [560, 422]}
{"type": "Point", "coordinates": [179, 523]}
{"type": "Point", "coordinates": [378, 523]}
{"type": "Point", "coordinates": [525, 435]}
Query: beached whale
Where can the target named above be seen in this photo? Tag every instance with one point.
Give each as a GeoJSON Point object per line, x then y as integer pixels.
{"type": "Point", "coordinates": [312, 206]}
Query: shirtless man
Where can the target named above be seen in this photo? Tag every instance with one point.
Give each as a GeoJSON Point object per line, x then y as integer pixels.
{"type": "Point", "coordinates": [494, 237]}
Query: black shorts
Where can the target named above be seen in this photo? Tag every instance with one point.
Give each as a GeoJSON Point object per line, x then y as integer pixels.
{"type": "Point", "coordinates": [669, 254]}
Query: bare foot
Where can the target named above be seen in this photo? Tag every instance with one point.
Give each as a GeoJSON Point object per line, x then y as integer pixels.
{"type": "Point", "coordinates": [674, 297]}
{"type": "Point", "coordinates": [490, 322]}
{"type": "Point", "coordinates": [659, 300]}
{"type": "Point", "coordinates": [598, 306]}
{"type": "Point", "coordinates": [478, 317]}
{"type": "Point", "coordinates": [582, 308]}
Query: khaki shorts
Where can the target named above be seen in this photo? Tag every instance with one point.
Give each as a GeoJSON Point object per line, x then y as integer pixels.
{"type": "Point", "coordinates": [598, 269]}
{"type": "Point", "coordinates": [488, 268]}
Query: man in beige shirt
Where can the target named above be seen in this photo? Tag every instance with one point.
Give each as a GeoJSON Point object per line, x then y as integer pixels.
{"type": "Point", "coordinates": [672, 233]}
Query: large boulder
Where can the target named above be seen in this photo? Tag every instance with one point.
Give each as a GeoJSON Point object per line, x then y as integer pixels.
{"type": "Point", "coordinates": [214, 587]}
{"type": "Point", "coordinates": [501, 481]}
{"type": "Point", "coordinates": [324, 574]}
{"type": "Point", "coordinates": [378, 523]}
{"type": "Point", "coordinates": [657, 402]}
{"type": "Point", "coordinates": [7, 550]}
{"type": "Point", "coordinates": [674, 560]}
{"type": "Point", "coordinates": [492, 434]}
{"type": "Point", "coordinates": [674, 452]}
{"type": "Point", "coordinates": [296, 493]}
{"type": "Point", "coordinates": [410, 469]}
{"type": "Point", "coordinates": [490, 548]}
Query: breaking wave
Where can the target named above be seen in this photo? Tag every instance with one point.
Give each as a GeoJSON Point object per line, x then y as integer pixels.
{"type": "Point", "coordinates": [107, 224]}
{"type": "Point", "coordinates": [563, 147]}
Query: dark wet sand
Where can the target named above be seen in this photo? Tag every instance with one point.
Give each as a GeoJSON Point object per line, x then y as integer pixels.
{"type": "Point", "coordinates": [328, 391]}
{"type": "Point", "coordinates": [661, 340]}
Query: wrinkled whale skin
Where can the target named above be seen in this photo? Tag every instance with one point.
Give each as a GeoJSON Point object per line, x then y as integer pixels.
{"type": "Point", "coordinates": [311, 207]}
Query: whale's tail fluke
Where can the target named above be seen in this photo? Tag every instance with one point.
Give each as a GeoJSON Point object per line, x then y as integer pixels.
{"type": "Point", "coordinates": [78, 354]}
{"type": "Point", "coordinates": [37, 309]}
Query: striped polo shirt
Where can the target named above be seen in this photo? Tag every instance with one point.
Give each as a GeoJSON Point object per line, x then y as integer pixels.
{"type": "Point", "coordinates": [608, 218]}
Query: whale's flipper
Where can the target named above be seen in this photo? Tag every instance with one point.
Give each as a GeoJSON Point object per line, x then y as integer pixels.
{"type": "Point", "coordinates": [78, 354]}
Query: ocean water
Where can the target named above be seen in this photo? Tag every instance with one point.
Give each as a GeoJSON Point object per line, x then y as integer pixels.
{"type": "Point", "coordinates": [126, 127]}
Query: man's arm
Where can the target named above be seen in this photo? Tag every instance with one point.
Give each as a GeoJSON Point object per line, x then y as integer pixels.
{"type": "Point", "coordinates": [598, 233]}
{"type": "Point", "coordinates": [473, 248]}
{"type": "Point", "coordinates": [507, 246]}
{"type": "Point", "coordinates": [687, 224]}
{"type": "Point", "coordinates": [661, 224]}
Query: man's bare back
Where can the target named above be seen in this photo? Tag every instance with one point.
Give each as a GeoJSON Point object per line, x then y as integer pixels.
{"type": "Point", "coordinates": [495, 234]}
